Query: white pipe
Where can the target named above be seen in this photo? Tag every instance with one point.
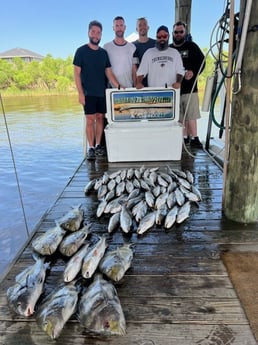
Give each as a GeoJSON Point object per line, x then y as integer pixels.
{"type": "Point", "coordinates": [243, 35]}
{"type": "Point", "coordinates": [207, 93]}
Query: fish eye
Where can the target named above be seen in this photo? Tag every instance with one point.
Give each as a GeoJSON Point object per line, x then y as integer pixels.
{"type": "Point", "coordinates": [106, 324]}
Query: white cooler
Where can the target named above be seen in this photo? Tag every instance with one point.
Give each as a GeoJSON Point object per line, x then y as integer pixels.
{"type": "Point", "coordinates": [143, 125]}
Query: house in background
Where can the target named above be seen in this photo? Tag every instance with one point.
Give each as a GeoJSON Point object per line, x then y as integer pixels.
{"type": "Point", "coordinates": [24, 54]}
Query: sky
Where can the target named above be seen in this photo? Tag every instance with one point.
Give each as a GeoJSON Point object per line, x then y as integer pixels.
{"type": "Point", "coordinates": [59, 27]}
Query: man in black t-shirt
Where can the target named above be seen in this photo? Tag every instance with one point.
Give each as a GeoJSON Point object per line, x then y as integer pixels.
{"type": "Point", "coordinates": [194, 63]}
{"type": "Point", "coordinates": [91, 68]}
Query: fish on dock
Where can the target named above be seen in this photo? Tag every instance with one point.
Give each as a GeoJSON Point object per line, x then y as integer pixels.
{"type": "Point", "coordinates": [48, 242]}
{"type": "Point", "coordinates": [73, 241]}
{"type": "Point", "coordinates": [171, 217]}
{"type": "Point", "coordinates": [146, 222]}
{"type": "Point", "coordinates": [100, 310]}
{"type": "Point", "coordinates": [115, 263]}
{"type": "Point", "coordinates": [74, 265]}
{"type": "Point", "coordinates": [93, 257]}
{"type": "Point", "coordinates": [183, 212]}
{"type": "Point", "coordinates": [24, 294]}
{"type": "Point", "coordinates": [125, 219]}
{"type": "Point", "coordinates": [114, 222]}
{"type": "Point", "coordinates": [57, 309]}
{"type": "Point", "coordinates": [72, 220]}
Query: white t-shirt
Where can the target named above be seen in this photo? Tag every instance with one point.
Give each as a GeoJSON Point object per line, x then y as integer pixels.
{"type": "Point", "coordinates": [161, 66]}
{"type": "Point", "coordinates": [121, 59]}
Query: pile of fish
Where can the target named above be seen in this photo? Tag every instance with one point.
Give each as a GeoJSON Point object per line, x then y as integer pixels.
{"type": "Point", "coordinates": [145, 196]}
{"type": "Point", "coordinates": [131, 198]}
{"type": "Point", "coordinates": [96, 303]}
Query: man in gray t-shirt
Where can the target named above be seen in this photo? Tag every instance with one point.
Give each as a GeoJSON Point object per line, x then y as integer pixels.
{"type": "Point", "coordinates": [120, 54]}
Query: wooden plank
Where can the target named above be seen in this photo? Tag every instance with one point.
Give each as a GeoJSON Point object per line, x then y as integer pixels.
{"type": "Point", "coordinates": [12, 333]}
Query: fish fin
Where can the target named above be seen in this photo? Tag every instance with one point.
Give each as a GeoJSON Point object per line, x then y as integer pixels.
{"type": "Point", "coordinates": [77, 206]}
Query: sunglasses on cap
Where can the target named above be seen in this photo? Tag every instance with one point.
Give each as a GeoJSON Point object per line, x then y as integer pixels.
{"type": "Point", "coordinates": [179, 32]}
{"type": "Point", "coordinates": [164, 37]}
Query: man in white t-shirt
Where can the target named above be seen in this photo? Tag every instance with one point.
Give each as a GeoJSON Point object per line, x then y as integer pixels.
{"type": "Point", "coordinates": [162, 64]}
{"type": "Point", "coordinates": [120, 54]}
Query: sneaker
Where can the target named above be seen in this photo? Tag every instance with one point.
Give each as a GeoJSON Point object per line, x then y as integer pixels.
{"type": "Point", "coordinates": [187, 141]}
{"type": "Point", "coordinates": [99, 151]}
{"type": "Point", "coordinates": [91, 154]}
{"type": "Point", "coordinates": [195, 142]}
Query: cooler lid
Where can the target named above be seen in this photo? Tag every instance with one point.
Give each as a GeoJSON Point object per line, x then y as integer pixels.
{"type": "Point", "coordinates": [147, 104]}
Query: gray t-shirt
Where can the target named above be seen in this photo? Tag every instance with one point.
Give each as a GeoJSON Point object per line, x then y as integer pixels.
{"type": "Point", "coordinates": [121, 59]}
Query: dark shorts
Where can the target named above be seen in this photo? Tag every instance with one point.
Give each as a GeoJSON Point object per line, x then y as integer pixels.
{"type": "Point", "coordinates": [95, 105]}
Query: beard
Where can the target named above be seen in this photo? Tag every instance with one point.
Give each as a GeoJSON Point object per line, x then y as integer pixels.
{"type": "Point", "coordinates": [163, 45]}
{"type": "Point", "coordinates": [178, 41]}
{"type": "Point", "coordinates": [120, 34]}
{"type": "Point", "coordinates": [94, 41]}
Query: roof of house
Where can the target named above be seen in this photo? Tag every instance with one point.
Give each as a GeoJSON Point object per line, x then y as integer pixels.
{"type": "Point", "coordinates": [20, 52]}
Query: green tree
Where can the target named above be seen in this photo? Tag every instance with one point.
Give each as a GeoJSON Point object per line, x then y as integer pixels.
{"type": "Point", "coordinates": [6, 72]}
{"type": "Point", "coordinates": [208, 70]}
{"type": "Point", "coordinates": [49, 72]}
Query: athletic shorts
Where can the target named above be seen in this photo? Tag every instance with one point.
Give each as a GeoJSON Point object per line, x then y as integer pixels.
{"type": "Point", "coordinates": [95, 105]}
{"type": "Point", "coordinates": [192, 109]}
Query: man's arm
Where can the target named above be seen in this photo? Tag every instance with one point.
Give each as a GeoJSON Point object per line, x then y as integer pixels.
{"type": "Point", "coordinates": [134, 74]}
{"type": "Point", "coordinates": [178, 82]}
{"type": "Point", "coordinates": [139, 84]}
{"type": "Point", "coordinates": [112, 79]}
{"type": "Point", "coordinates": [78, 83]}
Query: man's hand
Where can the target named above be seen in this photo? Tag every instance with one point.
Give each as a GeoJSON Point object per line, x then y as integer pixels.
{"type": "Point", "coordinates": [139, 85]}
{"type": "Point", "coordinates": [176, 85]}
{"type": "Point", "coordinates": [81, 99]}
{"type": "Point", "coordinates": [188, 75]}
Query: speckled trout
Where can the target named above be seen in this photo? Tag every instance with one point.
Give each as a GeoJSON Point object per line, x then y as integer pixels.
{"type": "Point", "coordinates": [93, 257]}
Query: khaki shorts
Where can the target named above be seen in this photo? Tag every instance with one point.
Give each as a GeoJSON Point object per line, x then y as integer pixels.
{"type": "Point", "coordinates": [192, 109]}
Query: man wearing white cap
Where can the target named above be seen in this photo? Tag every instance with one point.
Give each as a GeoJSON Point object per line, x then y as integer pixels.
{"type": "Point", "coordinates": [162, 64]}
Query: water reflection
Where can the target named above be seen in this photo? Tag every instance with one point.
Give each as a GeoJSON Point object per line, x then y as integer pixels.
{"type": "Point", "coordinates": [58, 104]}
{"type": "Point", "coordinates": [46, 136]}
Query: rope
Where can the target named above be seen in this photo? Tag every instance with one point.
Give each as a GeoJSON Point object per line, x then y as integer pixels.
{"type": "Point", "coordinates": [14, 165]}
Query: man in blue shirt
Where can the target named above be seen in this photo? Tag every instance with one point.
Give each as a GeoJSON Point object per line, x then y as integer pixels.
{"type": "Point", "coordinates": [142, 44]}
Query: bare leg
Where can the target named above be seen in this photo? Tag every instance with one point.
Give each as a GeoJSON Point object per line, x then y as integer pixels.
{"type": "Point", "coordinates": [191, 128]}
{"type": "Point", "coordinates": [90, 129]}
{"type": "Point", "coordinates": [99, 127]}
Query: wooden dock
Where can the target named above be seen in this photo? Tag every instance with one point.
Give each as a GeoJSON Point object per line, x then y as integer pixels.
{"type": "Point", "coordinates": [177, 291]}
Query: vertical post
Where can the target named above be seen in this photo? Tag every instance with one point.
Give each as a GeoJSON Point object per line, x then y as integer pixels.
{"type": "Point", "coordinates": [183, 12]}
{"type": "Point", "coordinates": [241, 198]}
{"type": "Point", "coordinates": [228, 94]}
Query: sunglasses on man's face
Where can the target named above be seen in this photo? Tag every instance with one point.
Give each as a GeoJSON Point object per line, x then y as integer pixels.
{"type": "Point", "coordinates": [160, 37]}
{"type": "Point", "coordinates": [179, 32]}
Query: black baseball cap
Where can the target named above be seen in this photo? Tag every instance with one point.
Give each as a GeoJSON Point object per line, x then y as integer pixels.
{"type": "Point", "coordinates": [164, 28]}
